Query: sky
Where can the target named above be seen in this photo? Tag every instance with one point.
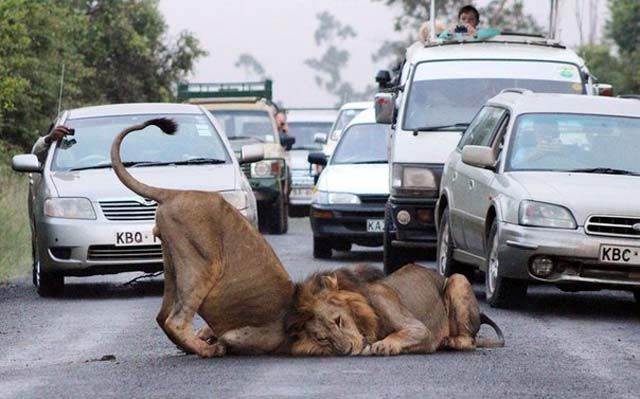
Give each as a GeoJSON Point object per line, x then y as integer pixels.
{"type": "Point", "coordinates": [279, 33]}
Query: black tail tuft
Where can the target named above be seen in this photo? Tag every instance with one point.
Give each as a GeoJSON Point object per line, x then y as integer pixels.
{"type": "Point", "coordinates": [169, 126]}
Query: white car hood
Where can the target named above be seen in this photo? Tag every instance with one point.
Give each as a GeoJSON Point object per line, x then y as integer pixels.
{"type": "Point", "coordinates": [584, 194]}
{"type": "Point", "coordinates": [356, 179]}
{"type": "Point", "coordinates": [101, 184]}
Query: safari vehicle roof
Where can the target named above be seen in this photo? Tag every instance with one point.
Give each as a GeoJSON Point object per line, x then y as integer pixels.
{"type": "Point", "coordinates": [323, 115]}
{"type": "Point", "coordinates": [367, 116]}
{"type": "Point", "coordinates": [530, 102]}
{"type": "Point", "coordinates": [229, 104]}
{"type": "Point", "coordinates": [132, 109]}
{"type": "Point", "coordinates": [509, 47]}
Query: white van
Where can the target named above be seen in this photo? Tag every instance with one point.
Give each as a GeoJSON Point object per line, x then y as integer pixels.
{"type": "Point", "coordinates": [440, 90]}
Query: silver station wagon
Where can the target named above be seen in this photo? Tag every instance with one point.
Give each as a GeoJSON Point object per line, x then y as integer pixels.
{"type": "Point", "coordinates": [84, 221]}
{"type": "Point", "coordinates": [544, 188]}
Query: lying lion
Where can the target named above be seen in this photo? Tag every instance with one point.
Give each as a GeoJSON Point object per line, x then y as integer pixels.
{"type": "Point", "coordinates": [413, 310]}
{"type": "Point", "coordinates": [216, 265]}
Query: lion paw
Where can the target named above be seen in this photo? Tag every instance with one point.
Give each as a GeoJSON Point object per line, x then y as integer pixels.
{"type": "Point", "coordinates": [213, 350]}
{"type": "Point", "coordinates": [385, 348]}
{"type": "Point", "coordinates": [206, 334]}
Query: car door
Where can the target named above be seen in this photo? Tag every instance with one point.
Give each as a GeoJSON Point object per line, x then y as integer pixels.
{"type": "Point", "coordinates": [475, 182]}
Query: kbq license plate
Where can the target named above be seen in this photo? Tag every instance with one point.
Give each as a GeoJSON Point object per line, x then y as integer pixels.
{"type": "Point", "coordinates": [620, 254]}
{"type": "Point", "coordinates": [375, 225]}
{"type": "Point", "coordinates": [131, 238]}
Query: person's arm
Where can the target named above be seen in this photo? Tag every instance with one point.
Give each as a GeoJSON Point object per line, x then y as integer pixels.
{"type": "Point", "coordinates": [42, 145]}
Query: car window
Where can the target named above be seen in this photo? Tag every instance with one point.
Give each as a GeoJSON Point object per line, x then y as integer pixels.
{"type": "Point", "coordinates": [362, 143]}
{"type": "Point", "coordinates": [574, 142]}
{"type": "Point", "coordinates": [344, 117]}
{"type": "Point", "coordinates": [304, 133]}
{"type": "Point", "coordinates": [196, 138]}
{"type": "Point", "coordinates": [481, 130]}
{"type": "Point", "coordinates": [451, 92]}
{"type": "Point", "coordinates": [256, 125]}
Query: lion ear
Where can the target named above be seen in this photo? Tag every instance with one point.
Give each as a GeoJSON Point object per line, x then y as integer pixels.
{"type": "Point", "coordinates": [330, 282]}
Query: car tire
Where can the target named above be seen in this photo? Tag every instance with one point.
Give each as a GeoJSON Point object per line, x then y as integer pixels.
{"type": "Point", "coordinates": [321, 248]}
{"type": "Point", "coordinates": [501, 292]}
{"type": "Point", "coordinates": [344, 246]}
{"type": "Point", "coordinates": [636, 295]}
{"type": "Point", "coordinates": [47, 284]}
{"type": "Point", "coordinates": [277, 219]}
{"type": "Point", "coordinates": [392, 258]}
{"type": "Point", "coordinates": [446, 264]}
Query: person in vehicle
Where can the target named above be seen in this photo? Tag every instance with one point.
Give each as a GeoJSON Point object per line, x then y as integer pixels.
{"type": "Point", "coordinates": [542, 140]}
{"type": "Point", "coordinates": [469, 18]}
{"type": "Point", "coordinates": [281, 121]}
{"type": "Point", "coordinates": [41, 146]}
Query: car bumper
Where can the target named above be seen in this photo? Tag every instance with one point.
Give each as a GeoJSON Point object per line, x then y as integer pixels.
{"type": "Point", "coordinates": [420, 232]}
{"type": "Point", "coordinates": [301, 189]}
{"type": "Point", "coordinates": [88, 247]}
{"type": "Point", "coordinates": [576, 256]}
{"type": "Point", "coordinates": [347, 222]}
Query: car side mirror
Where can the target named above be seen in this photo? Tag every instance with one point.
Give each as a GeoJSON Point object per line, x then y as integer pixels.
{"type": "Point", "coordinates": [251, 153]}
{"type": "Point", "coordinates": [480, 156]}
{"type": "Point", "coordinates": [385, 108]}
{"type": "Point", "coordinates": [320, 138]}
{"type": "Point", "coordinates": [287, 141]}
{"type": "Point", "coordinates": [603, 89]}
{"type": "Point", "coordinates": [317, 158]}
{"type": "Point", "coordinates": [26, 163]}
{"type": "Point", "coordinates": [383, 78]}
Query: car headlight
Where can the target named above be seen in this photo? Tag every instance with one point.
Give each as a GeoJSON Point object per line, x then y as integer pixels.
{"type": "Point", "coordinates": [406, 177]}
{"type": "Point", "coordinates": [69, 208]}
{"type": "Point", "coordinates": [238, 199]}
{"type": "Point", "coordinates": [541, 214]}
{"type": "Point", "coordinates": [268, 168]}
{"type": "Point", "coordinates": [327, 198]}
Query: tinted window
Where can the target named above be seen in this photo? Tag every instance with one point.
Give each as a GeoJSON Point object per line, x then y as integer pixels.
{"type": "Point", "coordinates": [480, 132]}
{"type": "Point", "coordinates": [90, 146]}
{"type": "Point", "coordinates": [366, 143]}
{"type": "Point", "coordinates": [304, 133]}
{"type": "Point", "coordinates": [256, 125]}
{"type": "Point", "coordinates": [571, 142]}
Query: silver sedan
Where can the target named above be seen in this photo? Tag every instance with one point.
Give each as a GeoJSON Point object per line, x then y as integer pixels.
{"type": "Point", "coordinates": [84, 221]}
{"type": "Point", "coordinates": [544, 188]}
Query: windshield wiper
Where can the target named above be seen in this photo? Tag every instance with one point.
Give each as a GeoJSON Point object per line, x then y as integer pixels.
{"type": "Point", "coordinates": [200, 161]}
{"type": "Point", "coordinates": [377, 161]}
{"type": "Point", "coordinates": [441, 127]}
{"type": "Point", "coordinates": [246, 138]}
{"type": "Point", "coordinates": [100, 166]}
{"type": "Point", "coordinates": [605, 171]}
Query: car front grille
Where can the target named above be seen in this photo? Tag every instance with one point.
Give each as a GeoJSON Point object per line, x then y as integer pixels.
{"type": "Point", "coordinates": [613, 226]}
{"type": "Point", "coordinates": [128, 210]}
{"type": "Point", "coordinates": [379, 199]}
{"type": "Point", "coordinates": [113, 253]}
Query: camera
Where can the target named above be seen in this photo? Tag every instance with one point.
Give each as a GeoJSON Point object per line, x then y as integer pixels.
{"type": "Point", "coordinates": [71, 132]}
{"type": "Point", "coordinates": [461, 29]}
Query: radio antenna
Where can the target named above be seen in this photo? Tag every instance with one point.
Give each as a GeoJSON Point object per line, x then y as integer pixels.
{"type": "Point", "coordinates": [61, 88]}
{"type": "Point", "coordinates": [432, 21]}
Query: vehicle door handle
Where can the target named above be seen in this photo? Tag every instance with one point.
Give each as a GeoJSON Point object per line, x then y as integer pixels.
{"type": "Point", "coordinates": [454, 176]}
{"type": "Point", "coordinates": [472, 184]}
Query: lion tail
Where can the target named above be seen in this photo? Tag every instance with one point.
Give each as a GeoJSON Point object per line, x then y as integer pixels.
{"type": "Point", "coordinates": [168, 126]}
{"type": "Point", "coordinates": [486, 342]}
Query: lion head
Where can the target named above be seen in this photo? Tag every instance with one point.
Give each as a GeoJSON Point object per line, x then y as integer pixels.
{"type": "Point", "coordinates": [332, 315]}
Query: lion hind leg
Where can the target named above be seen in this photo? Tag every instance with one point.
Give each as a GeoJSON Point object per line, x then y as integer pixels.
{"type": "Point", "coordinates": [254, 340]}
{"type": "Point", "coordinates": [463, 311]}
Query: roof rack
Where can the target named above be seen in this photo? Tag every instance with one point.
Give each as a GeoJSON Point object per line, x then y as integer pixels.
{"type": "Point", "coordinates": [504, 38]}
{"type": "Point", "coordinates": [510, 33]}
{"type": "Point", "coordinates": [239, 92]}
{"type": "Point", "coordinates": [517, 91]}
{"type": "Point", "coordinates": [630, 96]}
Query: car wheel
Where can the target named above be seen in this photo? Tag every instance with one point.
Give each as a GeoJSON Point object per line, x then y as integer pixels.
{"type": "Point", "coordinates": [276, 219]}
{"type": "Point", "coordinates": [636, 295]}
{"type": "Point", "coordinates": [501, 292]}
{"type": "Point", "coordinates": [344, 246]}
{"type": "Point", "coordinates": [48, 284]}
{"type": "Point", "coordinates": [392, 258]}
{"type": "Point", "coordinates": [321, 248]}
{"type": "Point", "coordinates": [446, 264]}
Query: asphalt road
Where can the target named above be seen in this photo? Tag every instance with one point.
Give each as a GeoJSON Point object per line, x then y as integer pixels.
{"type": "Point", "coordinates": [560, 345]}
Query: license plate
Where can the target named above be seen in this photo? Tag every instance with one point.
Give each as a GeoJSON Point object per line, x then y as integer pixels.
{"type": "Point", "coordinates": [375, 225]}
{"type": "Point", "coordinates": [301, 192]}
{"type": "Point", "coordinates": [620, 254]}
{"type": "Point", "coordinates": [131, 238]}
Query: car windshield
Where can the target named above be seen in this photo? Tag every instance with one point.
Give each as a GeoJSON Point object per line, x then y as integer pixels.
{"type": "Point", "coordinates": [363, 143]}
{"type": "Point", "coordinates": [246, 124]}
{"type": "Point", "coordinates": [196, 141]}
{"type": "Point", "coordinates": [344, 118]}
{"type": "Point", "coordinates": [574, 142]}
{"type": "Point", "coordinates": [450, 93]}
{"type": "Point", "coordinates": [304, 133]}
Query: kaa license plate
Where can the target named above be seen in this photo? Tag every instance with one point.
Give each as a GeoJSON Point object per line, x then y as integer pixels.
{"type": "Point", "coordinates": [375, 225]}
{"type": "Point", "coordinates": [620, 255]}
{"type": "Point", "coordinates": [130, 238]}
